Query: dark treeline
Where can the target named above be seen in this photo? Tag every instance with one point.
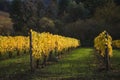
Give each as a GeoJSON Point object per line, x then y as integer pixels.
{"type": "Point", "coordinates": [82, 19]}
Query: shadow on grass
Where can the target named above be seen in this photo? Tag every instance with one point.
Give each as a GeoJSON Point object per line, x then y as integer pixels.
{"type": "Point", "coordinates": [14, 72]}
{"type": "Point", "coordinates": [15, 69]}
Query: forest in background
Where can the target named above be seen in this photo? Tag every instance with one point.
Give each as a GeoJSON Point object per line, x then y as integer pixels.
{"type": "Point", "coordinates": [81, 19]}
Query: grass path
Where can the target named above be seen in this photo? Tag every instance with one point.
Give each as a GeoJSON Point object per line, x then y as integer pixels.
{"type": "Point", "coordinates": [76, 65]}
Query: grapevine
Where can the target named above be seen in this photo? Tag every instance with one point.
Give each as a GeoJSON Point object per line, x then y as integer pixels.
{"type": "Point", "coordinates": [100, 43]}
{"type": "Point", "coordinates": [116, 43]}
{"type": "Point", "coordinates": [44, 43]}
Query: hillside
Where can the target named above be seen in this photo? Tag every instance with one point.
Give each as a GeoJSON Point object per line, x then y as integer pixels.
{"type": "Point", "coordinates": [6, 25]}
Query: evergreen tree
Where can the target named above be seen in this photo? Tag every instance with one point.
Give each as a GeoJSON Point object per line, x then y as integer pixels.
{"type": "Point", "coordinates": [16, 14]}
{"type": "Point", "coordinates": [62, 6]}
{"type": "Point", "coordinates": [5, 5]}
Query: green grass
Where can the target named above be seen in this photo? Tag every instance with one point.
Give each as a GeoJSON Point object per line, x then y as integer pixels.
{"type": "Point", "coordinates": [76, 65]}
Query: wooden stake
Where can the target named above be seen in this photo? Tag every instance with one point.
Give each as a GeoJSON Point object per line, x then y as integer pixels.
{"type": "Point", "coordinates": [31, 66]}
{"type": "Point", "coordinates": [107, 58]}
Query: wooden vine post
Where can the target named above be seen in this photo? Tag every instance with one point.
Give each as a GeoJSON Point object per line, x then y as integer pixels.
{"type": "Point", "coordinates": [31, 60]}
{"type": "Point", "coordinates": [107, 58]}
